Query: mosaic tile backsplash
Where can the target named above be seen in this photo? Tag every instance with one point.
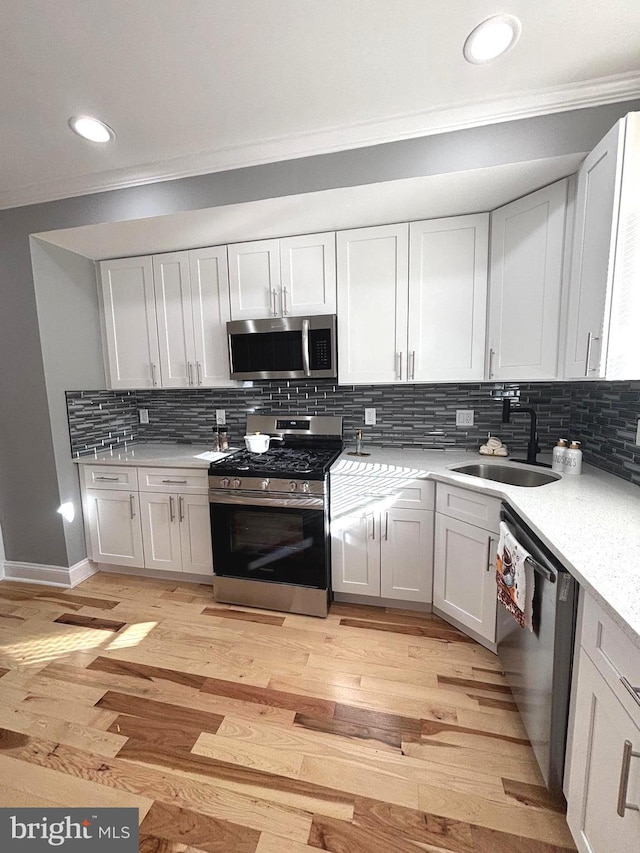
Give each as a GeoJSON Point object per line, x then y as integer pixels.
{"type": "Point", "coordinates": [602, 415]}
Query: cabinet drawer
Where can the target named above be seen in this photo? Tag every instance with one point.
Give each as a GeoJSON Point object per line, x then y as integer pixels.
{"type": "Point", "coordinates": [187, 480]}
{"type": "Point", "coordinates": [110, 477]}
{"type": "Point", "coordinates": [354, 493]}
{"type": "Point", "coordinates": [420, 494]}
{"type": "Point", "coordinates": [469, 506]}
{"type": "Point", "coordinates": [614, 654]}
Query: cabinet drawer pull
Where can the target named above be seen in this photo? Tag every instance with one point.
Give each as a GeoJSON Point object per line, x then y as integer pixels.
{"type": "Point", "coordinates": [111, 479]}
{"type": "Point", "coordinates": [590, 339]}
{"type": "Point", "coordinates": [492, 353]}
{"type": "Point", "coordinates": [399, 366]}
{"type": "Point", "coordinates": [413, 364]}
{"type": "Point", "coordinates": [172, 512]}
{"type": "Point", "coordinates": [386, 526]}
{"type": "Point", "coordinates": [373, 527]}
{"type": "Point", "coordinates": [285, 310]}
{"type": "Point", "coordinates": [634, 691]}
{"type": "Point", "coordinates": [189, 373]}
{"type": "Point", "coordinates": [273, 295]}
{"type": "Point", "coordinates": [491, 564]}
{"type": "Point", "coordinates": [180, 508]}
{"type": "Point", "coordinates": [132, 505]}
{"type": "Point", "coordinates": [198, 373]}
{"type": "Point", "coordinates": [153, 375]}
{"type": "Point", "coordinates": [175, 482]}
{"type": "Point", "coordinates": [627, 755]}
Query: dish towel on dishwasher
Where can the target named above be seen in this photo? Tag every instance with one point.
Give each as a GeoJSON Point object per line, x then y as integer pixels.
{"type": "Point", "coordinates": [515, 578]}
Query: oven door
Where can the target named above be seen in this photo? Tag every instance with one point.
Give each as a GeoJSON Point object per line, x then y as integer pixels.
{"type": "Point", "coordinates": [279, 539]}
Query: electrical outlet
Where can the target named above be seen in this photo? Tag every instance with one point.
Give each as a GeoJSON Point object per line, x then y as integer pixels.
{"type": "Point", "coordinates": [370, 417]}
{"type": "Point", "coordinates": [221, 417]}
{"type": "Point", "coordinates": [638, 432]}
{"type": "Point", "coordinates": [143, 416]}
{"type": "Point", "coordinates": [464, 417]}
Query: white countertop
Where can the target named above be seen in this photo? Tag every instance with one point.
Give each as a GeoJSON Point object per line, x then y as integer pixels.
{"type": "Point", "coordinates": [156, 454]}
{"type": "Point", "coordinates": [591, 522]}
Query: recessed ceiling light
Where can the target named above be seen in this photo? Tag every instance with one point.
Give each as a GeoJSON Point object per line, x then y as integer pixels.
{"type": "Point", "coordinates": [491, 38]}
{"type": "Point", "coordinates": [91, 128]}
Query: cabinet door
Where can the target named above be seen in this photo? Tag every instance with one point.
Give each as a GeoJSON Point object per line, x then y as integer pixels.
{"type": "Point", "coordinates": [601, 728]}
{"type": "Point", "coordinates": [160, 531]}
{"type": "Point", "coordinates": [195, 534]}
{"type": "Point", "coordinates": [308, 274]}
{"type": "Point", "coordinates": [209, 279]}
{"type": "Point", "coordinates": [527, 257]}
{"type": "Point", "coordinates": [597, 198]}
{"type": "Point", "coordinates": [372, 304]}
{"type": "Point", "coordinates": [355, 553]}
{"type": "Point", "coordinates": [175, 321]}
{"type": "Point", "coordinates": [448, 298]}
{"type": "Point", "coordinates": [113, 522]}
{"type": "Point", "coordinates": [129, 317]}
{"type": "Point", "coordinates": [254, 280]}
{"type": "Point", "coordinates": [406, 554]}
{"type": "Point", "coordinates": [464, 581]}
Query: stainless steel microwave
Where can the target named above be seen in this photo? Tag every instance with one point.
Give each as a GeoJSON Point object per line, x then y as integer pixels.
{"type": "Point", "coordinates": [283, 348]}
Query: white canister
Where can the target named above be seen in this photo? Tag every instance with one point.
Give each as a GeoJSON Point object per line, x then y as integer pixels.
{"type": "Point", "coordinates": [573, 459]}
{"type": "Point", "coordinates": [257, 443]}
{"type": "Point", "coordinates": [559, 455]}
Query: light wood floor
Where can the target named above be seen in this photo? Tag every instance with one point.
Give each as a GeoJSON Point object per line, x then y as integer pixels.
{"type": "Point", "coordinates": [243, 731]}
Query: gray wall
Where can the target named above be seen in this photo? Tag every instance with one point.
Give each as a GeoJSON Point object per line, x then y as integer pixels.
{"type": "Point", "coordinates": [30, 432]}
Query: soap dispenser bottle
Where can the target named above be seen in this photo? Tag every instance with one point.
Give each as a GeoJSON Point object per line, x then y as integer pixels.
{"type": "Point", "coordinates": [559, 456]}
{"type": "Point", "coordinates": [573, 459]}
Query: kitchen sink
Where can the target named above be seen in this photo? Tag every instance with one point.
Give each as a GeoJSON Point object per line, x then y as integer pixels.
{"type": "Point", "coordinates": [506, 474]}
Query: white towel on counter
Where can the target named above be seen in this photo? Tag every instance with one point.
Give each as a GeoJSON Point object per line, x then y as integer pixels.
{"type": "Point", "coordinates": [515, 578]}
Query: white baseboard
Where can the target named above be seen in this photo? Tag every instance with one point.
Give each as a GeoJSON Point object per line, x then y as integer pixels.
{"type": "Point", "coordinates": [160, 574]}
{"type": "Point", "coordinates": [49, 575]}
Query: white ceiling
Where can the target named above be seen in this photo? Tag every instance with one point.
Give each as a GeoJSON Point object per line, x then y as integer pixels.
{"type": "Point", "coordinates": [195, 86]}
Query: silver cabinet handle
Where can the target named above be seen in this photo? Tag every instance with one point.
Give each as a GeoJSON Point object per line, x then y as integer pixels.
{"type": "Point", "coordinates": [634, 691]}
{"type": "Point", "coordinates": [490, 561]}
{"type": "Point", "coordinates": [492, 352]}
{"type": "Point", "coordinates": [180, 508]}
{"type": "Point", "coordinates": [587, 367]}
{"type": "Point", "coordinates": [373, 527]}
{"type": "Point", "coordinates": [111, 479]}
{"type": "Point", "coordinates": [132, 505]}
{"type": "Point", "coordinates": [172, 512]}
{"type": "Point", "coordinates": [386, 527]}
{"type": "Point", "coordinates": [273, 295]}
{"type": "Point", "coordinates": [189, 373]}
{"type": "Point", "coordinates": [175, 482]}
{"type": "Point", "coordinates": [198, 373]}
{"type": "Point", "coordinates": [285, 310]}
{"type": "Point", "coordinates": [154, 381]}
{"type": "Point", "coordinates": [399, 366]}
{"type": "Point", "coordinates": [413, 364]}
{"type": "Point", "coordinates": [627, 755]}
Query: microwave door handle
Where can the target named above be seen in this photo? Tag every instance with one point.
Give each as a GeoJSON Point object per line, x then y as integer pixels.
{"type": "Point", "coordinates": [305, 348]}
{"type": "Point", "coordinates": [231, 371]}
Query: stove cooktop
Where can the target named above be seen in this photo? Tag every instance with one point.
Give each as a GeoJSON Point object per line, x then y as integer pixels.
{"type": "Point", "coordinates": [291, 461]}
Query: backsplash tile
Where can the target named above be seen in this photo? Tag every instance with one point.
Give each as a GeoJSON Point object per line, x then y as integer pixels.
{"type": "Point", "coordinates": [602, 415]}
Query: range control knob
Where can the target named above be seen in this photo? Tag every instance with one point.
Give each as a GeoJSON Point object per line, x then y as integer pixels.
{"type": "Point", "coordinates": [224, 482]}
{"type": "Point", "coordinates": [264, 485]}
{"type": "Point", "coordinates": [292, 485]}
{"type": "Point", "coordinates": [305, 487]}
{"type": "Point", "coordinates": [236, 483]}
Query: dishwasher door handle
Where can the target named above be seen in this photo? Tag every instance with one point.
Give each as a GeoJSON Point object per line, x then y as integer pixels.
{"type": "Point", "coordinates": [539, 569]}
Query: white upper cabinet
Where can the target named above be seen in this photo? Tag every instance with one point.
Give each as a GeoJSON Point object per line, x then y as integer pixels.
{"type": "Point", "coordinates": [165, 320]}
{"type": "Point", "coordinates": [527, 258]}
{"type": "Point", "coordinates": [209, 281]}
{"type": "Point", "coordinates": [294, 276]}
{"type": "Point", "coordinates": [308, 274]}
{"type": "Point", "coordinates": [129, 318]}
{"type": "Point", "coordinates": [604, 295]}
{"type": "Point", "coordinates": [175, 321]}
{"type": "Point", "coordinates": [447, 298]}
{"type": "Point", "coordinates": [373, 288]}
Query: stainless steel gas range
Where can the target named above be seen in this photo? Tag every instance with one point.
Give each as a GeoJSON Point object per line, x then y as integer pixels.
{"type": "Point", "coordinates": [270, 516]}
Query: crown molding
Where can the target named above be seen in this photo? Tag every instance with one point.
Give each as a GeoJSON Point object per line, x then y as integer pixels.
{"type": "Point", "coordinates": [460, 116]}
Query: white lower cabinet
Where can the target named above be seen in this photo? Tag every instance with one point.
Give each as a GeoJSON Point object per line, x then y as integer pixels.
{"type": "Point", "coordinates": [603, 767]}
{"type": "Point", "coordinates": [154, 528]}
{"type": "Point", "coordinates": [464, 574]}
{"type": "Point", "coordinates": [382, 538]}
{"type": "Point", "coordinates": [112, 520]}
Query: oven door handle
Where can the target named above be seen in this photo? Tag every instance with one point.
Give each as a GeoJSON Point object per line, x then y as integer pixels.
{"type": "Point", "coordinates": [240, 498]}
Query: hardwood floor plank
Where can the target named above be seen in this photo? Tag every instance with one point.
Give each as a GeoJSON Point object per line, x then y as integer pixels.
{"type": "Point", "coordinates": [269, 843]}
{"type": "Point", "coordinates": [432, 728]}
{"type": "Point", "coordinates": [81, 621]}
{"type": "Point", "coordinates": [164, 712]}
{"type": "Point", "coordinates": [406, 727]}
{"type": "Point", "coordinates": [300, 704]}
{"type": "Point", "coordinates": [209, 834]}
{"type": "Point", "coordinates": [532, 794]}
{"type": "Point", "coordinates": [492, 841]}
{"type": "Point", "coordinates": [370, 735]}
{"type": "Point", "coordinates": [520, 767]}
{"type": "Point", "coordinates": [433, 632]}
{"type": "Point", "coordinates": [104, 744]}
{"type": "Point", "coordinates": [340, 837]}
{"type": "Point", "coordinates": [146, 672]}
{"type": "Point", "coordinates": [152, 844]}
{"type": "Point", "coordinates": [474, 684]}
{"type": "Point", "coordinates": [262, 618]}
{"type": "Point", "coordinates": [269, 759]}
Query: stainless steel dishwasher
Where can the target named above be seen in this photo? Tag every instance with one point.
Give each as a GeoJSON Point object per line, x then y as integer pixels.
{"type": "Point", "coordinates": [538, 663]}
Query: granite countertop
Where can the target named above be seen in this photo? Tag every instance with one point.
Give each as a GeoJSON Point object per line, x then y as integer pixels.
{"type": "Point", "coordinates": [157, 454]}
{"type": "Point", "coordinates": [590, 522]}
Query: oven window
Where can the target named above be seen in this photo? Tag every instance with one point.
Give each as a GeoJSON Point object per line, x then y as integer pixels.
{"type": "Point", "coordinates": [273, 544]}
